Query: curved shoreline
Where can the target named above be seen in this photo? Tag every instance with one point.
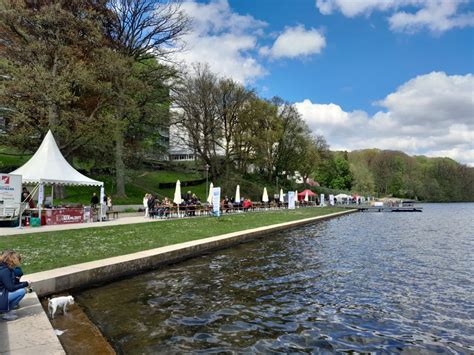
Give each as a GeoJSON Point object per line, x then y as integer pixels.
{"type": "Point", "coordinates": [16, 340]}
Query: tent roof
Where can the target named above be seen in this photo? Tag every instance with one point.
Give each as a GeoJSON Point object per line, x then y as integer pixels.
{"type": "Point", "coordinates": [303, 193]}
{"type": "Point", "coordinates": [48, 165]}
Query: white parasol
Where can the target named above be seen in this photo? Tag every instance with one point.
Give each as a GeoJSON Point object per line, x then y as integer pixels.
{"type": "Point", "coordinates": [177, 193]}
{"type": "Point", "coordinates": [237, 194]}
{"type": "Point", "coordinates": [265, 195]}
{"type": "Point", "coordinates": [209, 197]}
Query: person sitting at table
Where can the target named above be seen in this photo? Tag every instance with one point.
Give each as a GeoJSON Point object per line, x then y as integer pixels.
{"type": "Point", "coordinates": [247, 204]}
{"type": "Point", "coordinates": [227, 204]}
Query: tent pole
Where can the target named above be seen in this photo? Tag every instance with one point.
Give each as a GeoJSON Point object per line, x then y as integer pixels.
{"type": "Point", "coordinates": [52, 195]}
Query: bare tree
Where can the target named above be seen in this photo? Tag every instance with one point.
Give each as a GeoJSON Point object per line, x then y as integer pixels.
{"type": "Point", "coordinates": [146, 28]}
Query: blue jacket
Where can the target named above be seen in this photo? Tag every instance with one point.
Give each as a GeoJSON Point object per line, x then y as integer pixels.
{"type": "Point", "coordinates": [7, 284]}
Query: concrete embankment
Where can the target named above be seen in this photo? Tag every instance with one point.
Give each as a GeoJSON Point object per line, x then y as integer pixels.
{"type": "Point", "coordinates": [23, 332]}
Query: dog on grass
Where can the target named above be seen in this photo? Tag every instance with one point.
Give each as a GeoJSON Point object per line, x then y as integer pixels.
{"type": "Point", "coordinates": [59, 302]}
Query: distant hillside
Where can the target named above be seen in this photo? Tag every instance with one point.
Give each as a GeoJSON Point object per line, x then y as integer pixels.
{"type": "Point", "coordinates": [385, 172]}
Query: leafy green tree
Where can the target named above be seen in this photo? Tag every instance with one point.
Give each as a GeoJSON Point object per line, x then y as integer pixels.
{"type": "Point", "coordinates": [52, 75]}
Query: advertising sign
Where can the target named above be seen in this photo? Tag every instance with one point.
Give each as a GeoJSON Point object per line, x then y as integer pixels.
{"type": "Point", "coordinates": [64, 216]}
{"type": "Point", "coordinates": [10, 189]}
{"type": "Point", "coordinates": [216, 201]}
{"type": "Point", "coordinates": [321, 201]}
{"type": "Point", "coordinates": [291, 200]}
{"type": "Point", "coordinates": [331, 200]}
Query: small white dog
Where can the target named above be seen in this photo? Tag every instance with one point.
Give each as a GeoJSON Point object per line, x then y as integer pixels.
{"type": "Point", "coordinates": [59, 302]}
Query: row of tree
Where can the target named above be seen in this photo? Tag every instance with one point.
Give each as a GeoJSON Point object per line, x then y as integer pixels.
{"type": "Point", "coordinates": [232, 130]}
{"type": "Point", "coordinates": [92, 72]}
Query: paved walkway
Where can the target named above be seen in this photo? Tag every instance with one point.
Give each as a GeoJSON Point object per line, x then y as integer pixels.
{"type": "Point", "coordinates": [114, 222]}
{"type": "Point", "coordinates": [31, 333]}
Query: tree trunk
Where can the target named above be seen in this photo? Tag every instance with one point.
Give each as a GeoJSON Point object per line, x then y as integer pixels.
{"type": "Point", "coordinates": [119, 165]}
{"type": "Point", "coordinates": [58, 193]}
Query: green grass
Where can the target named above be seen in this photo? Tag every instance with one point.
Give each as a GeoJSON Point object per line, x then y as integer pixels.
{"type": "Point", "coordinates": [49, 250]}
{"type": "Point", "coordinates": [138, 183]}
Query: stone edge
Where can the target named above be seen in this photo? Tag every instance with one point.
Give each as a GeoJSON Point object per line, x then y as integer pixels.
{"type": "Point", "coordinates": [106, 270]}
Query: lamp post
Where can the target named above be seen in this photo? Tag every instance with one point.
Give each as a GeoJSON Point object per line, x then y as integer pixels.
{"type": "Point", "coordinates": [207, 176]}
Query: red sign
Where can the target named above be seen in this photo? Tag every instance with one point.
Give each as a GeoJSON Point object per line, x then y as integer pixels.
{"type": "Point", "coordinates": [64, 216]}
{"type": "Point", "coordinates": [6, 179]}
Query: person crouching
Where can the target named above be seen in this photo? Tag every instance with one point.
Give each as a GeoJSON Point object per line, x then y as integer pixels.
{"type": "Point", "coordinates": [11, 292]}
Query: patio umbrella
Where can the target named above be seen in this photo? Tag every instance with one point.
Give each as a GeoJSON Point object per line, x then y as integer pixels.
{"type": "Point", "coordinates": [209, 198]}
{"type": "Point", "coordinates": [237, 194]}
{"type": "Point", "coordinates": [281, 196]}
{"type": "Point", "coordinates": [306, 197]}
{"type": "Point", "coordinates": [177, 195]}
{"type": "Point", "coordinates": [265, 195]}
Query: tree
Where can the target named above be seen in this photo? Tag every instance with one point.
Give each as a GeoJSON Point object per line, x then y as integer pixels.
{"type": "Point", "coordinates": [230, 99]}
{"type": "Point", "coordinates": [51, 67]}
{"type": "Point", "coordinates": [196, 115]}
{"type": "Point", "coordinates": [140, 30]}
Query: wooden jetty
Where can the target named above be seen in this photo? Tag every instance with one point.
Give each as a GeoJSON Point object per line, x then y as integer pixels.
{"type": "Point", "coordinates": [390, 209]}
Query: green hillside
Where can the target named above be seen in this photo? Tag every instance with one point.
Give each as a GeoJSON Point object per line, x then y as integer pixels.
{"type": "Point", "coordinates": [393, 173]}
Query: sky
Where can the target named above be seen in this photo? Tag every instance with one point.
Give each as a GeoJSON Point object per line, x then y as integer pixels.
{"type": "Point", "coordinates": [387, 74]}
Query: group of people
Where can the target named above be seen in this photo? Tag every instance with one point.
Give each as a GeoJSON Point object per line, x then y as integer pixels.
{"type": "Point", "coordinates": [12, 290]}
{"type": "Point", "coordinates": [154, 208]}
{"type": "Point", "coordinates": [95, 201]}
{"type": "Point", "coordinates": [228, 205]}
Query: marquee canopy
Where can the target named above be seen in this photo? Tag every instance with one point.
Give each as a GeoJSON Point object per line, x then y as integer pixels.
{"type": "Point", "coordinates": [303, 193]}
{"type": "Point", "coordinates": [48, 166]}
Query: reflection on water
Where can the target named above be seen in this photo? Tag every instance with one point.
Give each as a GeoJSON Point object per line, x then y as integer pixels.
{"type": "Point", "coordinates": [383, 282]}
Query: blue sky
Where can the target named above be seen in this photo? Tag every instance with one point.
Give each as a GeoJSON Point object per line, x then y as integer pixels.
{"type": "Point", "coordinates": [388, 74]}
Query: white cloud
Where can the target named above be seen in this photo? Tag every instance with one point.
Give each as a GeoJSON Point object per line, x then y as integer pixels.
{"type": "Point", "coordinates": [224, 39]}
{"type": "Point", "coordinates": [432, 114]}
{"type": "Point", "coordinates": [296, 42]}
{"type": "Point", "coordinates": [406, 15]}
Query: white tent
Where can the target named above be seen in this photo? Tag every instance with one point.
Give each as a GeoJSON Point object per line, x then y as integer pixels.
{"type": "Point", "coordinates": [48, 166]}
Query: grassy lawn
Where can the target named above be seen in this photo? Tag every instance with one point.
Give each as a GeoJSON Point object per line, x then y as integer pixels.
{"type": "Point", "coordinates": [49, 250]}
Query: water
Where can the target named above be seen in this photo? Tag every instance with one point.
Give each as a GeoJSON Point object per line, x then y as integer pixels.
{"type": "Point", "coordinates": [367, 282]}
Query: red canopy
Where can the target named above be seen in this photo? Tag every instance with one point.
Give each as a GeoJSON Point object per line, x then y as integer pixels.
{"type": "Point", "coordinates": [303, 193]}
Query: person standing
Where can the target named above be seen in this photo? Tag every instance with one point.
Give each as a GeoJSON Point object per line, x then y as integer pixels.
{"type": "Point", "coordinates": [145, 204]}
{"type": "Point", "coordinates": [109, 203]}
{"type": "Point", "coordinates": [94, 200]}
{"type": "Point", "coordinates": [11, 292]}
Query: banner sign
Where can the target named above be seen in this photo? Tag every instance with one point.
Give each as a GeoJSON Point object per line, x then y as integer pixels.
{"type": "Point", "coordinates": [321, 201]}
{"type": "Point", "coordinates": [216, 201]}
{"type": "Point", "coordinates": [291, 200]}
{"type": "Point", "coordinates": [64, 216]}
{"type": "Point", "coordinates": [331, 200]}
{"type": "Point", "coordinates": [40, 194]}
{"type": "Point", "coordinates": [10, 190]}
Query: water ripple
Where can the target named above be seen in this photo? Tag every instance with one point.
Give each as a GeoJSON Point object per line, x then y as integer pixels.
{"type": "Point", "coordinates": [384, 283]}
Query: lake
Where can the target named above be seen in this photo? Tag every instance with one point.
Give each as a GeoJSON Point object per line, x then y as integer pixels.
{"type": "Point", "coordinates": [365, 282]}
